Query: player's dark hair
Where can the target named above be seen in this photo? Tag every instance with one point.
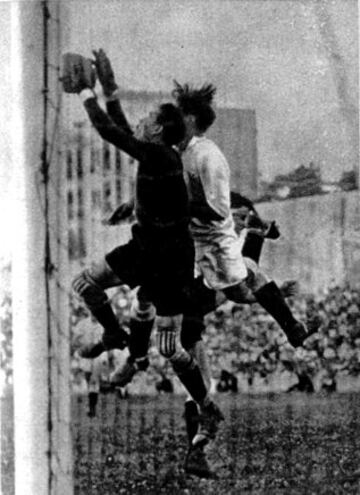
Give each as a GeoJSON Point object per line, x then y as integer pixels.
{"type": "Point", "coordinates": [171, 119]}
{"type": "Point", "coordinates": [196, 102]}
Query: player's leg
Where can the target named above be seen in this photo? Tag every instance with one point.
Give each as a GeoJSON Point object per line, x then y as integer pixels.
{"type": "Point", "coordinates": [90, 285]}
{"type": "Point", "coordinates": [141, 324]}
{"type": "Point", "coordinates": [194, 296]}
{"type": "Point", "coordinates": [93, 400]}
{"type": "Point", "coordinates": [272, 300]}
{"type": "Point", "coordinates": [175, 271]}
{"type": "Point", "coordinates": [197, 464]}
{"type": "Point", "coordinates": [251, 252]}
{"type": "Point", "coordinates": [187, 370]}
{"type": "Point", "coordinates": [192, 418]}
{"type": "Point", "coordinates": [199, 301]}
{"type": "Point", "coordinates": [191, 339]}
{"type": "Point", "coordinates": [93, 392]}
{"type": "Point", "coordinates": [267, 293]}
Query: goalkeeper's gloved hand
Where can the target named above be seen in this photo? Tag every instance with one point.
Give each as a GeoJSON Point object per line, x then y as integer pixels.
{"type": "Point", "coordinates": [105, 72]}
{"type": "Point", "coordinates": [78, 73]}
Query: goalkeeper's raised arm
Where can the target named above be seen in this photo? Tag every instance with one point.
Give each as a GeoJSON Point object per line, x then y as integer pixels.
{"type": "Point", "coordinates": [117, 133]}
{"type": "Point", "coordinates": [110, 88]}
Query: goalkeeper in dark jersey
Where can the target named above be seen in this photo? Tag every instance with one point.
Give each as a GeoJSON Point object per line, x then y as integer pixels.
{"type": "Point", "coordinates": [160, 255]}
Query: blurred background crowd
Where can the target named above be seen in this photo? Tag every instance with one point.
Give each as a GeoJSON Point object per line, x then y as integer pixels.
{"type": "Point", "coordinates": [248, 351]}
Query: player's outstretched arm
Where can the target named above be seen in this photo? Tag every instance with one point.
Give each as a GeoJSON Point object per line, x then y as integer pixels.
{"type": "Point", "coordinates": [108, 130]}
{"type": "Point", "coordinates": [81, 84]}
{"type": "Point", "coordinates": [106, 77]}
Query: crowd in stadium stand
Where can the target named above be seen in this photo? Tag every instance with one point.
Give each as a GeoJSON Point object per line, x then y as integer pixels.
{"type": "Point", "coordinates": [247, 347]}
{"type": "Point", "coordinates": [245, 340]}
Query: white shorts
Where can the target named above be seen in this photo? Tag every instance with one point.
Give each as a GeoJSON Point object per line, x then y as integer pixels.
{"type": "Point", "coordinates": [220, 261]}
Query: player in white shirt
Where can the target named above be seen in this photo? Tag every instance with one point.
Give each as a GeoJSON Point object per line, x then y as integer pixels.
{"type": "Point", "coordinates": [218, 248]}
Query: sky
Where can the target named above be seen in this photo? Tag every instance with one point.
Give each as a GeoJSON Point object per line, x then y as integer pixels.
{"type": "Point", "coordinates": [293, 61]}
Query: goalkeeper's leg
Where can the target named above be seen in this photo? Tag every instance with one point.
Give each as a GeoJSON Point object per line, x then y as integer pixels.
{"type": "Point", "coordinates": [90, 285]}
{"type": "Point", "coordinates": [140, 326]}
{"type": "Point", "coordinates": [191, 332]}
{"type": "Point", "coordinates": [189, 374]}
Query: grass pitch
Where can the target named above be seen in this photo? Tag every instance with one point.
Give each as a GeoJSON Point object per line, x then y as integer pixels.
{"type": "Point", "coordinates": [276, 444]}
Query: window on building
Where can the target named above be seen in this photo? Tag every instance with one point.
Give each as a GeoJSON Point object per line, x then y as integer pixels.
{"type": "Point", "coordinates": [80, 203]}
{"type": "Point", "coordinates": [106, 157]}
{"type": "Point", "coordinates": [95, 199]}
{"type": "Point", "coordinates": [81, 243]}
{"type": "Point", "coordinates": [107, 207]}
{"type": "Point", "coordinates": [94, 159]}
{"type": "Point", "coordinates": [118, 190]}
{"type": "Point", "coordinates": [70, 205]}
{"type": "Point", "coordinates": [69, 165]}
{"type": "Point", "coordinates": [117, 162]}
{"type": "Point", "coordinates": [80, 166]}
{"type": "Point", "coordinates": [72, 245]}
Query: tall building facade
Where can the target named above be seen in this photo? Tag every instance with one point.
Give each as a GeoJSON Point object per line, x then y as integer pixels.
{"type": "Point", "coordinates": [234, 130]}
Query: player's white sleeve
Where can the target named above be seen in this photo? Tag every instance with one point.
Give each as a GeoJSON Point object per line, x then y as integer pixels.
{"type": "Point", "coordinates": [215, 178]}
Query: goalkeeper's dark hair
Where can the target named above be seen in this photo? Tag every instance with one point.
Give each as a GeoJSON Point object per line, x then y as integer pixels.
{"type": "Point", "coordinates": [196, 102]}
{"type": "Point", "coordinates": [171, 119]}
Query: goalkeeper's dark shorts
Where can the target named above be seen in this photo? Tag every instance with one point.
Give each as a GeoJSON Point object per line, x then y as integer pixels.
{"type": "Point", "coordinates": [162, 264]}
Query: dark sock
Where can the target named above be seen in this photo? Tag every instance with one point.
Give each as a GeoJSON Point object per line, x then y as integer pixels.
{"type": "Point", "coordinates": [106, 317]}
{"type": "Point", "coordinates": [193, 381]}
{"type": "Point", "coordinates": [272, 300]}
{"type": "Point", "coordinates": [191, 419]}
{"type": "Point", "coordinates": [252, 246]}
{"type": "Point", "coordinates": [93, 398]}
{"type": "Point", "coordinates": [139, 340]}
